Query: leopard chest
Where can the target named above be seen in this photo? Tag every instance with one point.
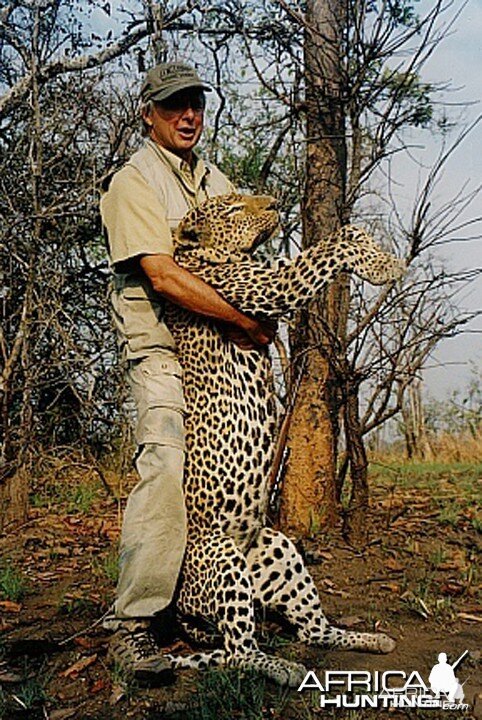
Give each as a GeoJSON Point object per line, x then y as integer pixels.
{"type": "Point", "coordinates": [230, 425]}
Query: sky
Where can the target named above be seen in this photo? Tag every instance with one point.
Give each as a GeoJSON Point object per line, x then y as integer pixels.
{"type": "Point", "coordinates": [458, 60]}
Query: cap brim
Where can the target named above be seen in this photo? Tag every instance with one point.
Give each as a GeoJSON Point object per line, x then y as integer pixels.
{"type": "Point", "coordinates": [167, 92]}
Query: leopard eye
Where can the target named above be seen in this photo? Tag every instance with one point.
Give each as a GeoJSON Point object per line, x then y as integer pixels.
{"type": "Point", "coordinates": [232, 209]}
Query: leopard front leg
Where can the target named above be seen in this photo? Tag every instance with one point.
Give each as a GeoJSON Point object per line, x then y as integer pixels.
{"type": "Point", "coordinates": [281, 582]}
{"type": "Point", "coordinates": [217, 588]}
{"type": "Point", "coordinates": [355, 249]}
{"type": "Point", "coordinates": [270, 291]}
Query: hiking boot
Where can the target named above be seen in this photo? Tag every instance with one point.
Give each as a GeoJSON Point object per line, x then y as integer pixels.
{"type": "Point", "coordinates": [134, 648]}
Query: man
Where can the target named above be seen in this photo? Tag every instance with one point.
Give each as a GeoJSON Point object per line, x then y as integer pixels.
{"type": "Point", "coordinates": [141, 207]}
{"type": "Point", "coordinates": [442, 679]}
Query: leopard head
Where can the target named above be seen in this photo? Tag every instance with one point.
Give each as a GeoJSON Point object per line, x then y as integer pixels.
{"type": "Point", "coordinates": [226, 228]}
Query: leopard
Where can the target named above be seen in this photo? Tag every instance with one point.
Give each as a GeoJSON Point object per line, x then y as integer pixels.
{"type": "Point", "coordinates": [235, 561]}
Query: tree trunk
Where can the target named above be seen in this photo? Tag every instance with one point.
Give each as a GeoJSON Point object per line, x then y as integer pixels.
{"type": "Point", "coordinates": [13, 500]}
{"type": "Point", "coordinates": [309, 496]}
{"type": "Point", "coordinates": [416, 441]}
{"type": "Point", "coordinates": [308, 500]}
{"type": "Point", "coordinates": [354, 522]}
{"type": "Point", "coordinates": [14, 487]}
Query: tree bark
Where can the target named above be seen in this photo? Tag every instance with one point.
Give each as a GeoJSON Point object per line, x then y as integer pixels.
{"type": "Point", "coordinates": [354, 521]}
{"type": "Point", "coordinates": [13, 500]}
{"type": "Point", "coordinates": [14, 488]}
{"type": "Point", "coordinates": [309, 496]}
{"type": "Point", "coordinates": [416, 441]}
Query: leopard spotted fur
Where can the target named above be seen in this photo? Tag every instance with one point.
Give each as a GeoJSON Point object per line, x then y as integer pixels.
{"type": "Point", "coordinates": [232, 559]}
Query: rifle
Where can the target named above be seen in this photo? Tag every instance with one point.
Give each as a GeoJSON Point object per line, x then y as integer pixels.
{"type": "Point", "coordinates": [459, 660]}
{"type": "Point", "coordinates": [281, 451]}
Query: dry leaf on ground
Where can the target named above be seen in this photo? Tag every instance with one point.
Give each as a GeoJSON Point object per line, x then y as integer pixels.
{"type": "Point", "coordinates": [80, 665]}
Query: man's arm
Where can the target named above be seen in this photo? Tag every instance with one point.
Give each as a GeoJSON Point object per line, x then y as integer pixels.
{"type": "Point", "coordinates": [190, 292]}
{"type": "Point", "coordinates": [137, 227]}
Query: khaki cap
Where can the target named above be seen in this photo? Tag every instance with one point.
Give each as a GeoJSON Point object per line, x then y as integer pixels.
{"type": "Point", "coordinates": [168, 78]}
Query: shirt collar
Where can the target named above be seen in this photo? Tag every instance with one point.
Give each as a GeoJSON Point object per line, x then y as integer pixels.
{"type": "Point", "coordinates": [195, 175]}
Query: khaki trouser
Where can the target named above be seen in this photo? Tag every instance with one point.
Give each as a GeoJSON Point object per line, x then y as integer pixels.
{"type": "Point", "coordinates": [153, 535]}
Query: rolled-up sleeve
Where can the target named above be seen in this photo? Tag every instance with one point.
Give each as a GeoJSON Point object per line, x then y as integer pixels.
{"type": "Point", "coordinates": [135, 219]}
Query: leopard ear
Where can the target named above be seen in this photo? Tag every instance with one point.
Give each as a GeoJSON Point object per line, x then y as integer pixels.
{"type": "Point", "coordinates": [186, 237]}
{"type": "Point", "coordinates": [193, 231]}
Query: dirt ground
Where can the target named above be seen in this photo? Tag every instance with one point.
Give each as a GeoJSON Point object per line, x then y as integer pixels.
{"type": "Point", "coordinates": [418, 579]}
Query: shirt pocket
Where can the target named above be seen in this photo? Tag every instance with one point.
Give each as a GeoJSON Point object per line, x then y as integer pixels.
{"type": "Point", "coordinates": [139, 315]}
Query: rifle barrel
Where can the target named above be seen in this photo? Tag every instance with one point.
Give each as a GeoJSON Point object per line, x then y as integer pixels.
{"type": "Point", "coordinates": [459, 660]}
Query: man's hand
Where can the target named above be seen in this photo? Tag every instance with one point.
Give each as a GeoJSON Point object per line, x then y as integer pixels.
{"type": "Point", "coordinates": [256, 334]}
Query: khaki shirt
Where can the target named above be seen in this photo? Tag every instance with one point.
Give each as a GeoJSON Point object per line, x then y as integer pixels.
{"type": "Point", "coordinates": [141, 210]}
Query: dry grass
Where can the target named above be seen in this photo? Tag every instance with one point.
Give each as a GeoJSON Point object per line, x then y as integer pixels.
{"type": "Point", "coordinates": [457, 448]}
{"type": "Point", "coordinates": [443, 448]}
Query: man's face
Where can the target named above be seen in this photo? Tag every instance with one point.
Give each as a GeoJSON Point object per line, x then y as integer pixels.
{"type": "Point", "coordinates": [177, 122]}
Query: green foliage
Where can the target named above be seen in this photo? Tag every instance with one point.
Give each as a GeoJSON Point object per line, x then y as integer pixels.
{"type": "Point", "coordinates": [78, 497]}
{"type": "Point", "coordinates": [243, 165]}
{"type": "Point", "coordinates": [406, 88]}
{"type": "Point", "coordinates": [3, 702]}
{"type": "Point", "coordinates": [125, 680]}
{"type": "Point", "coordinates": [26, 697]}
{"type": "Point", "coordinates": [77, 606]}
{"type": "Point", "coordinates": [403, 12]}
{"type": "Point", "coordinates": [13, 583]}
{"type": "Point", "coordinates": [108, 565]}
{"type": "Point", "coordinates": [228, 694]}
{"type": "Point", "coordinates": [26, 700]}
{"type": "Point", "coordinates": [30, 694]}
{"type": "Point", "coordinates": [450, 513]}
{"type": "Point", "coordinates": [438, 557]}
{"type": "Point", "coordinates": [454, 489]}
{"type": "Point", "coordinates": [81, 498]}
{"type": "Point", "coordinates": [461, 412]}
{"type": "Point", "coordinates": [476, 523]}
{"type": "Point", "coordinates": [464, 475]}
{"type": "Point", "coordinates": [423, 599]}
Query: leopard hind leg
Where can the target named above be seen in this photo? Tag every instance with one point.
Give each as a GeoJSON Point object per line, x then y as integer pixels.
{"type": "Point", "coordinates": [282, 583]}
{"type": "Point", "coordinates": [217, 588]}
